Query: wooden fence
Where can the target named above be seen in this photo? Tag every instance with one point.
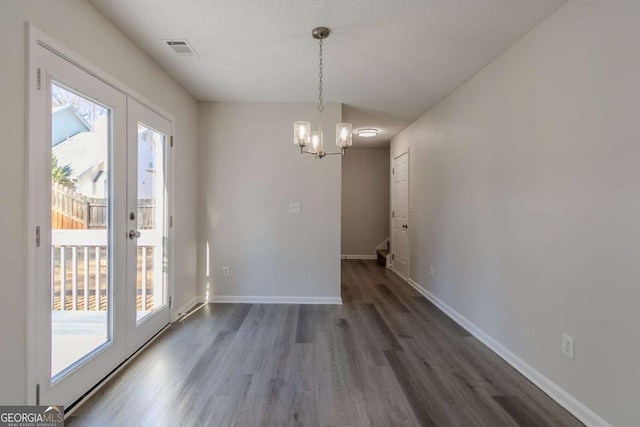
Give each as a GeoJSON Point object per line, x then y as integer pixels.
{"type": "Point", "coordinates": [71, 210]}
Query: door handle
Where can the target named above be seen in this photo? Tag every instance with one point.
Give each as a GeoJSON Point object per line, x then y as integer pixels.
{"type": "Point", "coordinates": [404, 226]}
{"type": "Point", "coordinates": [134, 234]}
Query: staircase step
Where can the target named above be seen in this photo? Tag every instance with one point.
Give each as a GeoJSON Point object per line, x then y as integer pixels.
{"type": "Point", "coordinates": [382, 256]}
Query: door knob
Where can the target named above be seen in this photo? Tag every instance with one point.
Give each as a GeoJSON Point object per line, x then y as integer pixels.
{"type": "Point", "coordinates": [134, 234]}
{"type": "Point", "coordinates": [404, 226]}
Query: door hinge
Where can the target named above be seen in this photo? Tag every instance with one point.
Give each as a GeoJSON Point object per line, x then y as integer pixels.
{"type": "Point", "coordinates": [172, 140]}
{"type": "Point", "coordinates": [393, 171]}
{"type": "Point", "coordinates": [170, 221]}
{"type": "Point", "coordinates": [37, 394]}
{"type": "Point", "coordinates": [393, 214]}
{"type": "Point", "coordinates": [38, 85]}
{"type": "Point", "coordinates": [37, 236]}
{"type": "Point", "coordinates": [170, 302]}
{"type": "Point", "coordinates": [393, 256]}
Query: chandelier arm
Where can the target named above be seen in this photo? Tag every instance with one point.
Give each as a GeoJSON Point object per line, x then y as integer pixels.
{"type": "Point", "coordinates": [334, 152]}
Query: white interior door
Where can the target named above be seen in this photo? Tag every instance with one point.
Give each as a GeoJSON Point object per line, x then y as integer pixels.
{"type": "Point", "coordinates": [148, 238]}
{"type": "Point", "coordinates": [400, 215]}
{"type": "Point", "coordinates": [78, 180]}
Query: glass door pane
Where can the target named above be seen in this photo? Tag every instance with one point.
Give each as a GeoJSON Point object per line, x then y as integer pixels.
{"type": "Point", "coordinates": [80, 247]}
{"type": "Point", "coordinates": [151, 214]}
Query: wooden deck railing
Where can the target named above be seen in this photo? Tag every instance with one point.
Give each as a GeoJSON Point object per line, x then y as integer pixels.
{"type": "Point", "coordinates": [79, 270]}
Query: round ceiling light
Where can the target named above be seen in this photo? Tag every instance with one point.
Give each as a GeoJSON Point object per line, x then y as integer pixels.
{"type": "Point", "coordinates": [367, 133]}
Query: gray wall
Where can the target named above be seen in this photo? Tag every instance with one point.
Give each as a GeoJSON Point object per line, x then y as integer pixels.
{"type": "Point", "coordinates": [93, 37]}
{"type": "Point", "coordinates": [525, 186]}
{"type": "Point", "coordinates": [250, 173]}
{"type": "Point", "coordinates": [365, 200]}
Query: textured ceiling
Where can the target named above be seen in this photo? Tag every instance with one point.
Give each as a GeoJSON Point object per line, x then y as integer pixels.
{"type": "Point", "coordinates": [388, 61]}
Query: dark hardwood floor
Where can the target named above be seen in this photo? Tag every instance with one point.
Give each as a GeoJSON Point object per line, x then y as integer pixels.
{"type": "Point", "coordinates": [386, 357]}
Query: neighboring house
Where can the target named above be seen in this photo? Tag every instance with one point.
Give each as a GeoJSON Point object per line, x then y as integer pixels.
{"type": "Point", "coordinates": [83, 149]}
{"type": "Point", "coordinates": [149, 158]}
{"type": "Point", "coordinates": [66, 123]}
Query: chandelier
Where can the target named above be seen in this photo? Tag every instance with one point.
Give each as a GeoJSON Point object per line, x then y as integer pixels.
{"type": "Point", "coordinates": [302, 134]}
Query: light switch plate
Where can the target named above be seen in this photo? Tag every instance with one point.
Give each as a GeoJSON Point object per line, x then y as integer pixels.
{"type": "Point", "coordinates": [294, 208]}
{"type": "Point", "coordinates": [568, 346]}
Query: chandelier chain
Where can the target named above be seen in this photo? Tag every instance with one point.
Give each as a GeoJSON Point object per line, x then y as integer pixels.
{"type": "Point", "coordinates": [320, 105]}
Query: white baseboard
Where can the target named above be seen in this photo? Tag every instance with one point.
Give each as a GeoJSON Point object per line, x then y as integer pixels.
{"type": "Point", "coordinates": [238, 299]}
{"type": "Point", "coordinates": [175, 314]}
{"type": "Point", "coordinates": [557, 393]}
{"type": "Point", "coordinates": [358, 256]}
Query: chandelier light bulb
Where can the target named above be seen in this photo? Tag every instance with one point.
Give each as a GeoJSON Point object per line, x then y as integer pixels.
{"type": "Point", "coordinates": [316, 142]}
{"type": "Point", "coordinates": [301, 133]}
{"type": "Point", "coordinates": [343, 135]}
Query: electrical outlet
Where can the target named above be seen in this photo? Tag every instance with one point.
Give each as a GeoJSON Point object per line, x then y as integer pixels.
{"type": "Point", "coordinates": [226, 271]}
{"type": "Point", "coordinates": [294, 208]}
{"type": "Point", "coordinates": [431, 270]}
{"type": "Point", "coordinates": [568, 346]}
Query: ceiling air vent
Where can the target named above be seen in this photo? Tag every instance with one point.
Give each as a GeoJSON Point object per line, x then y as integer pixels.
{"type": "Point", "coordinates": [181, 47]}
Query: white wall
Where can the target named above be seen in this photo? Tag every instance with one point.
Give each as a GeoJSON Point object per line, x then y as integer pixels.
{"type": "Point", "coordinates": [525, 186]}
{"type": "Point", "coordinates": [76, 24]}
{"type": "Point", "coordinates": [251, 171]}
{"type": "Point", "coordinates": [365, 200]}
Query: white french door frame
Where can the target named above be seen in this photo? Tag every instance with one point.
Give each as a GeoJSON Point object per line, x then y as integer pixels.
{"type": "Point", "coordinates": [34, 85]}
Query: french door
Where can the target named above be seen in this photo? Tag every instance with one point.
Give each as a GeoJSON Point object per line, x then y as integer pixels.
{"type": "Point", "coordinates": [100, 179]}
{"type": "Point", "coordinates": [147, 224]}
